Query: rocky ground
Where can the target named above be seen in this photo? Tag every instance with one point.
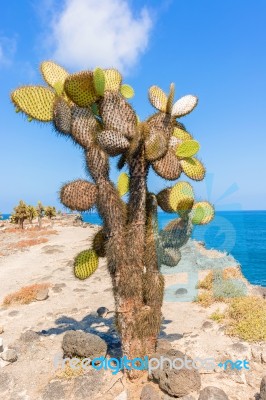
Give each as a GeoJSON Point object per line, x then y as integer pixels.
{"type": "Point", "coordinates": [31, 335]}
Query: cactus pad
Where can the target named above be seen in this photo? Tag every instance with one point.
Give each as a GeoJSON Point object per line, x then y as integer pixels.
{"type": "Point", "coordinates": [161, 122]}
{"type": "Point", "coordinates": [170, 99]}
{"type": "Point", "coordinates": [170, 257]}
{"type": "Point", "coordinates": [118, 115]}
{"type": "Point", "coordinates": [181, 197]}
{"type": "Point", "coordinates": [36, 101]}
{"type": "Point", "coordinates": [99, 81]}
{"type": "Point", "coordinates": [113, 80]}
{"type": "Point", "coordinates": [99, 243]}
{"type": "Point", "coordinates": [123, 184]}
{"type": "Point", "coordinates": [84, 126]}
{"type": "Point", "coordinates": [193, 168]}
{"type": "Point", "coordinates": [52, 73]}
{"type": "Point", "coordinates": [168, 167]}
{"type": "Point", "coordinates": [80, 89]}
{"type": "Point", "coordinates": [184, 106]}
{"type": "Point", "coordinates": [79, 195]}
{"type": "Point", "coordinates": [62, 116]}
{"type": "Point", "coordinates": [202, 213]}
{"type": "Point", "coordinates": [158, 98]}
{"type": "Point", "coordinates": [113, 143]}
{"type": "Point", "coordinates": [85, 264]}
{"type": "Point", "coordinates": [187, 149]}
{"type": "Point", "coordinates": [155, 146]}
{"type": "Point", "coordinates": [182, 134]}
{"type": "Point", "coordinates": [163, 200]}
{"type": "Point", "coordinates": [127, 91]}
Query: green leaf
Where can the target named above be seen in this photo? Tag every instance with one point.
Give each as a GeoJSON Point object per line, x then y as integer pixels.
{"type": "Point", "coordinates": [187, 149]}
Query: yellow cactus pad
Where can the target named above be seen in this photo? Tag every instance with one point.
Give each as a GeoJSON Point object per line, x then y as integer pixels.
{"type": "Point", "coordinates": [181, 197]}
{"type": "Point", "coordinates": [187, 149]}
{"type": "Point", "coordinates": [80, 88]}
{"type": "Point", "coordinates": [202, 213]}
{"type": "Point", "coordinates": [113, 79]}
{"type": "Point", "coordinates": [158, 98]}
{"type": "Point", "coordinates": [85, 264]}
{"type": "Point", "coordinates": [127, 91]}
{"type": "Point", "coordinates": [53, 73]}
{"type": "Point", "coordinates": [181, 134]}
{"type": "Point", "coordinates": [99, 81]}
{"type": "Point", "coordinates": [36, 101]}
{"type": "Point", "coordinates": [193, 168]}
{"type": "Point", "coordinates": [123, 184]}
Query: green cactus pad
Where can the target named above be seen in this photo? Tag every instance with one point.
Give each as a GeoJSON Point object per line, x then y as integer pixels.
{"type": "Point", "coordinates": [181, 134]}
{"type": "Point", "coordinates": [202, 213]}
{"type": "Point", "coordinates": [36, 101]}
{"type": "Point", "coordinates": [127, 91]}
{"type": "Point", "coordinates": [181, 197]}
{"type": "Point", "coordinates": [187, 149]}
{"type": "Point", "coordinates": [85, 264]}
{"type": "Point", "coordinates": [193, 168]}
{"type": "Point", "coordinates": [113, 80]}
{"type": "Point", "coordinates": [79, 195]}
{"type": "Point", "coordinates": [184, 106]}
{"type": "Point", "coordinates": [99, 81]}
{"type": "Point", "coordinates": [59, 88]}
{"type": "Point", "coordinates": [155, 146]}
{"type": "Point", "coordinates": [114, 143]}
{"type": "Point", "coordinates": [123, 184]}
{"type": "Point", "coordinates": [168, 167]}
{"type": "Point", "coordinates": [52, 73]}
{"type": "Point", "coordinates": [80, 89]}
{"type": "Point", "coordinates": [158, 98]}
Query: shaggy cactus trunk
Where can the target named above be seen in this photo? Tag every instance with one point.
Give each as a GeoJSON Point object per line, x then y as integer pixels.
{"type": "Point", "coordinates": [91, 108]}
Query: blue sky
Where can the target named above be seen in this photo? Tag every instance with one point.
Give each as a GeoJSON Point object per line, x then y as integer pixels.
{"type": "Point", "coordinates": [213, 49]}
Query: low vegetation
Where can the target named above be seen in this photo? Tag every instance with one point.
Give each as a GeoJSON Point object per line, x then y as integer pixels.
{"type": "Point", "coordinates": [25, 295]}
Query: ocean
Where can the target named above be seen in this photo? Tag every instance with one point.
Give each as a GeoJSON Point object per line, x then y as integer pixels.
{"type": "Point", "coordinates": [240, 233]}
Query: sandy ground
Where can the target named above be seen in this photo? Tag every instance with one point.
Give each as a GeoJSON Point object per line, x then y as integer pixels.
{"type": "Point", "coordinates": [72, 304]}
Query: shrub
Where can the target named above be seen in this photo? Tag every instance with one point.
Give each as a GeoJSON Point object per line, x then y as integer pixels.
{"type": "Point", "coordinates": [25, 295]}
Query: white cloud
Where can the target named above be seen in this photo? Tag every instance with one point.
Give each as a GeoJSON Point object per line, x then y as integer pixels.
{"type": "Point", "coordinates": [88, 33]}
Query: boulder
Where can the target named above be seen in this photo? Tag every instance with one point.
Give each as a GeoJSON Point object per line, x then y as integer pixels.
{"type": "Point", "coordinates": [81, 344]}
{"type": "Point", "coordinates": [212, 393]}
{"type": "Point", "coordinates": [42, 294]}
{"type": "Point", "coordinates": [9, 355]}
{"type": "Point", "coordinates": [172, 376]}
{"type": "Point", "coordinates": [149, 393]}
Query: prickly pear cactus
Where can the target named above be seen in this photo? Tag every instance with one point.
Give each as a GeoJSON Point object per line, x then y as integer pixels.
{"type": "Point", "coordinates": [92, 108]}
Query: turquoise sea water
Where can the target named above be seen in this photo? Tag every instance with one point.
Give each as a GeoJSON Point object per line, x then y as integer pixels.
{"type": "Point", "coordinates": [241, 233]}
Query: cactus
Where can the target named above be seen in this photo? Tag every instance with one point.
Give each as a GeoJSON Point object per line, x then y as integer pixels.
{"type": "Point", "coordinates": [91, 108]}
{"type": "Point", "coordinates": [50, 212]}
{"type": "Point", "coordinates": [20, 214]}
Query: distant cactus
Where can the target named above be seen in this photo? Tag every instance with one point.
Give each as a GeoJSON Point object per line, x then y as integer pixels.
{"type": "Point", "coordinates": [91, 108]}
{"type": "Point", "coordinates": [50, 212]}
{"type": "Point", "coordinates": [40, 213]}
{"type": "Point", "coordinates": [32, 213]}
{"type": "Point", "coordinates": [20, 214]}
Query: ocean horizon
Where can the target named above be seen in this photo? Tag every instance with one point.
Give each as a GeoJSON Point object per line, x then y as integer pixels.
{"type": "Point", "coordinates": [240, 233]}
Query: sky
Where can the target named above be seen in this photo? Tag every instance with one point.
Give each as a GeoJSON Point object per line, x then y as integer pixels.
{"type": "Point", "coordinates": [212, 49]}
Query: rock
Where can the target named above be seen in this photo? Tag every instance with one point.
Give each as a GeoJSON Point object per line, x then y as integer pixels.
{"type": "Point", "coordinates": [81, 344]}
{"type": "Point", "coordinates": [176, 381]}
{"type": "Point", "coordinates": [212, 393]}
{"type": "Point", "coordinates": [1, 330]}
{"type": "Point", "coordinates": [181, 291]}
{"type": "Point", "coordinates": [263, 388]}
{"type": "Point", "coordinates": [102, 312]}
{"type": "Point", "coordinates": [9, 355]}
{"type": "Point", "coordinates": [207, 326]}
{"type": "Point", "coordinates": [163, 346]}
{"type": "Point", "coordinates": [122, 396]}
{"type": "Point", "coordinates": [29, 336]}
{"type": "Point", "coordinates": [149, 393]}
{"type": "Point", "coordinates": [88, 385]}
{"type": "Point", "coordinates": [6, 382]}
{"type": "Point", "coordinates": [54, 391]}
{"type": "Point", "coordinates": [263, 356]}
{"type": "Point", "coordinates": [1, 345]}
{"type": "Point", "coordinates": [42, 294]}
{"type": "Point", "coordinates": [239, 351]}
{"type": "Point", "coordinates": [188, 397]}
{"type": "Point", "coordinates": [256, 352]}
